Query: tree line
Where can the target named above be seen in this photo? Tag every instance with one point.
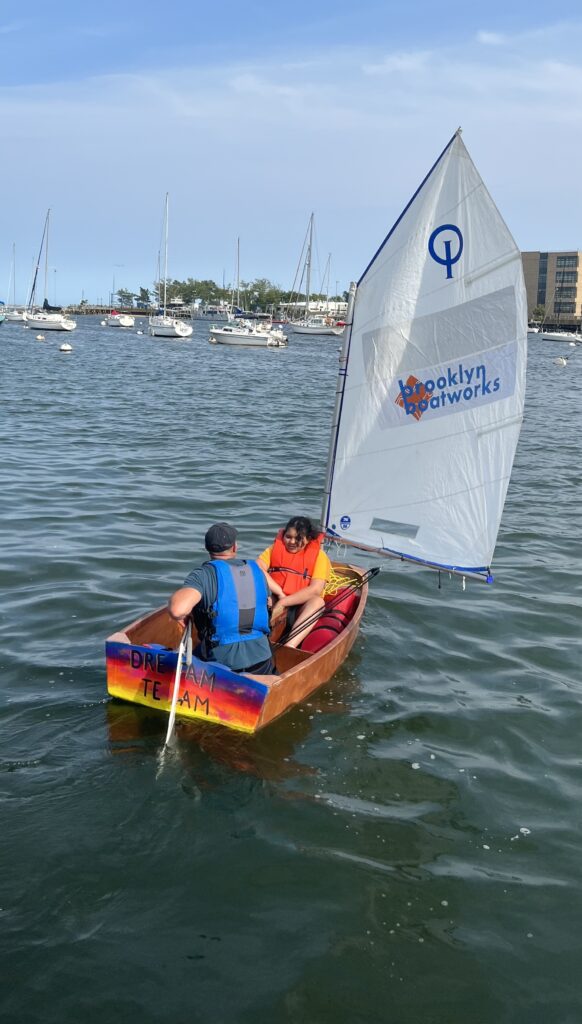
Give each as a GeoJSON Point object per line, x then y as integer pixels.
{"type": "Point", "coordinates": [260, 294]}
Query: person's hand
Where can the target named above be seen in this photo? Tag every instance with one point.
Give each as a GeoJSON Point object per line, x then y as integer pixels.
{"type": "Point", "coordinates": [278, 611]}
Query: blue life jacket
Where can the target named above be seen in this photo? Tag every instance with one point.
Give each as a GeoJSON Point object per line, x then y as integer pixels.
{"type": "Point", "coordinates": [240, 611]}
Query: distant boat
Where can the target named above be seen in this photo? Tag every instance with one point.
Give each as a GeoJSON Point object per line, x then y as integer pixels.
{"type": "Point", "coordinates": [566, 336]}
{"type": "Point", "coordinates": [161, 325]}
{"type": "Point", "coordinates": [115, 319]}
{"type": "Point", "coordinates": [50, 318]}
{"type": "Point", "coordinates": [248, 335]}
{"type": "Point", "coordinates": [313, 323]}
{"type": "Point", "coordinates": [322, 325]}
{"type": "Point", "coordinates": [13, 314]}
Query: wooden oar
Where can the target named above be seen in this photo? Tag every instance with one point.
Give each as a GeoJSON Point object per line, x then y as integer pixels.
{"type": "Point", "coordinates": [185, 637]}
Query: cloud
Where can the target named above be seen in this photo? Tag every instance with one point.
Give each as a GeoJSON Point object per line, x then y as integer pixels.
{"type": "Point", "coordinates": [250, 148]}
{"type": "Point", "coordinates": [492, 39]}
{"type": "Point", "coordinates": [399, 63]}
{"type": "Point", "coordinates": [15, 26]}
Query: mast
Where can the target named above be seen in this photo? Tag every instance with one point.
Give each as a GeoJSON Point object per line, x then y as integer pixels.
{"type": "Point", "coordinates": [46, 256]}
{"type": "Point", "coordinates": [238, 273]}
{"type": "Point", "coordinates": [308, 267]}
{"type": "Point", "coordinates": [36, 269]}
{"type": "Point", "coordinates": [339, 394]}
{"type": "Point", "coordinates": [165, 255]}
{"type": "Point", "coordinates": [326, 281]}
{"type": "Point", "coordinates": [14, 274]}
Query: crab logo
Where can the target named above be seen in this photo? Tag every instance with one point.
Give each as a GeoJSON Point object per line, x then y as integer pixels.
{"type": "Point", "coordinates": [345, 522]}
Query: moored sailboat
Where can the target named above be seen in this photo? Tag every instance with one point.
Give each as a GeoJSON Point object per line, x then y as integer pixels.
{"type": "Point", "coordinates": [161, 325]}
{"type": "Point", "coordinates": [14, 314]}
{"type": "Point", "coordinates": [436, 328]}
{"type": "Point", "coordinates": [313, 323]}
{"type": "Point", "coordinates": [49, 318]}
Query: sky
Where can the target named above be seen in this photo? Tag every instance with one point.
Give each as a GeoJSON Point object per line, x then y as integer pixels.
{"type": "Point", "coordinates": [253, 115]}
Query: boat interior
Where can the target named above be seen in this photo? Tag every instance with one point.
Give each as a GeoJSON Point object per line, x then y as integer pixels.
{"type": "Point", "coordinates": [161, 630]}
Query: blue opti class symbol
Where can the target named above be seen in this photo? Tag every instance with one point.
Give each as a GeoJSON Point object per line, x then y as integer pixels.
{"type": "Point", "coordinates": [345, 522]}
{"type": "Point", "coordinates": [447, 260]}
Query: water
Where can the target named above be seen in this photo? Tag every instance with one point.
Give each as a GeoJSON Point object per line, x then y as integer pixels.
{"type": "Point", "coordinates": [403, 848]}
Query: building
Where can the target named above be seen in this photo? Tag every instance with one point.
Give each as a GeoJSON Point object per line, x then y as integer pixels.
{"type": "Point", "coordinates": [554, 280]}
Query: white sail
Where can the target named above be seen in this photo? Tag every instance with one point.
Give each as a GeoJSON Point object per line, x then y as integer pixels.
{"type": "Point", "coordinates": [432, 381]}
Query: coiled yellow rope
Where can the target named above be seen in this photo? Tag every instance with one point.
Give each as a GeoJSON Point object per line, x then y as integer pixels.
{"type": "Point", "coordinates": [339, 579]}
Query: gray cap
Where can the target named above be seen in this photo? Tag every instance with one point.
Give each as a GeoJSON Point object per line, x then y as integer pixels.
{"type": "Point", "coordinates": [219, 537]}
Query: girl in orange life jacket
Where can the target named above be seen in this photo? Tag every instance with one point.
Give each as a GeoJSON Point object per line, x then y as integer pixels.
{"type": "Point", "coordinates": [299, 569]}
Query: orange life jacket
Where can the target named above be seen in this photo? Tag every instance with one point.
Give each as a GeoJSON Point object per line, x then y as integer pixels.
{"type": "Point", "coordinates": [293, 572]}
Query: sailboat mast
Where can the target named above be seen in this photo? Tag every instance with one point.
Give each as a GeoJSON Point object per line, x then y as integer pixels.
{"type": "Point", "coordinates": [238, 273]}
{"type": "Point", "coordinates": [36, 269]}
{"type": "Point", "coordinates": [46, 256]}
{"type": "Point", "coordinates": [339, 395]}
{"type": "Point", "coordinates": [14, 274]}
{"type": "Point", "coordinates": [166, 255]}
{"type": "Point", "coordinates": [308, 267]}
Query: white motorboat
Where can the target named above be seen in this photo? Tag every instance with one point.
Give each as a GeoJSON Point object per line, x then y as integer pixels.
{"type": "Point", "coordinates": [50, 321]}
{"type": "Point", "coordinates": [317, 325]}
{"type": "Point", "coordinates": [250, 335]}
{"type": "Point", "coordinates": [161, 325]}
{"type": "Point", "coordinates": [567, 336]}
{"type": "Point", "coordinates": [114, 319]}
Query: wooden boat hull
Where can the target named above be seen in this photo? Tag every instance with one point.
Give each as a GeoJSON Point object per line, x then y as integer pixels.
{"type": "Point", "coordinates": [141, 668]}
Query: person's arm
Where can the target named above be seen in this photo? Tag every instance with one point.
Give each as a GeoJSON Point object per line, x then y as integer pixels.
{"type": "Point", "coordinates": [273, 587]}
{"type": "Point", "coordinates": [264, 563]}
{"type": "Point", "coordinates": [314, 589]}
{"type": "Point", "coordinates": [182, 602]}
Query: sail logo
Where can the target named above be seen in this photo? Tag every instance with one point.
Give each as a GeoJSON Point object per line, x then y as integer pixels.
{"type": "Point", "coordinates": [447, 258]}
{"type": "Point", "coordinates": [451, 391]}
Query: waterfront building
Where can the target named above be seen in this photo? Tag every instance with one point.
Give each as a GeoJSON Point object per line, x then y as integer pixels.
{"type": "Point", "coordinates": [554, 280]}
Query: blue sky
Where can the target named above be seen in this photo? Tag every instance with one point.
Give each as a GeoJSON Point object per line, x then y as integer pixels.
{"type": "Point", "coordinates": [252, 115]}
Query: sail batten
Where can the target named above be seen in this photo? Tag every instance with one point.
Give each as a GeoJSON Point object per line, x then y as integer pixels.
{"type": "Point", "coordinates": [432, 380]}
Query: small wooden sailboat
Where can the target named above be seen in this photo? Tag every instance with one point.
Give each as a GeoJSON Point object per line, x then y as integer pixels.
{"type": "Point", "coordinates": [141, 665]}
{"type": "Point", "coordinates": [427, 417]}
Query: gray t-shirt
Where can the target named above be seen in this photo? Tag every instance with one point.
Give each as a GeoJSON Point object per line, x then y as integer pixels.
{"type": "Point", "coordinates": [236, 656]}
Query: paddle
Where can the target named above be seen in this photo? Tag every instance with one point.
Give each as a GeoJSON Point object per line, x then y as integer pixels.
{"type": "Point", "coordinates": [186, 635]}
{"type": "Point", "coordinates": [329, 605]}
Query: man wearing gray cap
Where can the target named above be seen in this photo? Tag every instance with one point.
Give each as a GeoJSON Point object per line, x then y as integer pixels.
{"type": "Point", "coordinates": [227, 597]}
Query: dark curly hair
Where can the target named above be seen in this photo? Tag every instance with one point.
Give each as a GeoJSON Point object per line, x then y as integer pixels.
{"type": "Point", "coordinates": [303, 527]}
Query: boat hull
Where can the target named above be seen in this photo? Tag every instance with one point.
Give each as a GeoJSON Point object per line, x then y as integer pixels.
{"type": "Point", "coordinates": [50, 322]}
{"type": "Point", "coordinates": [120, 321]}
{"type": "Point", "coordinates": [142, 660]}
{"type": "Point", "coordinates": [247, 339]}
{"type": "Point", "coordinates": [168, 327]}
{"type": "Point", "coordinates": [304, 329]}
{"type": "Point", "coordinates": [564, 336]}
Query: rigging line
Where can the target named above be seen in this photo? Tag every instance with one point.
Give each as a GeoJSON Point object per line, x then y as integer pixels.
{"type": "Point", "coordinates": [329, 606]}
